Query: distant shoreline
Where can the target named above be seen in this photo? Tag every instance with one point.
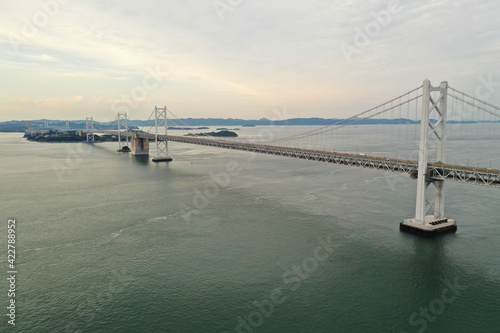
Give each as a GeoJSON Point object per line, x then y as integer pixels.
{"type": "Point", "coordinates": [194, 123]}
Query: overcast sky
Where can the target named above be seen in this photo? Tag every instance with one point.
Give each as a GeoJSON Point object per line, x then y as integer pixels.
{"type": "Point", "coordinates": [68, 59]}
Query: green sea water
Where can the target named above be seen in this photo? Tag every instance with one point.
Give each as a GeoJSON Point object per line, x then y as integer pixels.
{"type": "Point", "coordinates": [226, 241]}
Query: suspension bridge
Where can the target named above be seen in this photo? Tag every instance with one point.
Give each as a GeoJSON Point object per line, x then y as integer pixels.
{"type": "Point", "coordinates": [428, 111]}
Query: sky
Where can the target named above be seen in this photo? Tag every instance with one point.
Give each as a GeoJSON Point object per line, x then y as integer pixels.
{"type": "Point", "coordinates": [250, 59]}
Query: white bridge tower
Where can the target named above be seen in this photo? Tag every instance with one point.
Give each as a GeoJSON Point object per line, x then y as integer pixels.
{"type": "Point", "coordinates": [89, 129]}
{"type": "Point", "coordinates": [122, 126]}
{"type": "Point", "coordinates": [429, 212]}
{"type": "Point", "coordinates": [161, 144]}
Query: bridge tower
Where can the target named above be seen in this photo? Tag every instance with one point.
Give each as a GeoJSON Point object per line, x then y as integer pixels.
{"type": "Point", "coordinates": [89, 129]}
{"type": "Point", "coordinates": [432, 132]}
{"type": "Point", "coordinates": [27, 128]}
{"type": "Point", "coordinates": [122, 125]}
{"type": "Point", "coordinates": [160, 144]}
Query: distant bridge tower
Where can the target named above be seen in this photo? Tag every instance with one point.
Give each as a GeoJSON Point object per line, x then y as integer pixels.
{"type": "Point", "coordinates": [434, 106]}
{"type": "Point", "coordinates": [161, 145]}
{"type": "Point", "coordinates": [27, 128]}
{"type": "Point", "coordinates": [122, 125]}
{"type": "Point", "coordinates": [89, 129]}
{"type": "Point", "coordinates": [67, 126]}
{"type": "Point", "coordinates": [46, 124]}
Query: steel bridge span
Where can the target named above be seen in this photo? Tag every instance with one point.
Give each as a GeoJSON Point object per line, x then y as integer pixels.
{"type": "Point", "coordinates": [435, 171]}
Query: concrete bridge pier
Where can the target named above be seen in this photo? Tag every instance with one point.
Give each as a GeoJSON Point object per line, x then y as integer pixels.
{"type": "Point", "coordinates": [139, 146]}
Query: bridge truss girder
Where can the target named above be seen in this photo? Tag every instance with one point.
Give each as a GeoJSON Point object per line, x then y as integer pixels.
{"type": "Point", "coordinates": [435, 172]}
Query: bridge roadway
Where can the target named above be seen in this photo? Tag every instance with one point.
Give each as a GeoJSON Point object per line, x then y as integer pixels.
{"type": "Point", "coordinates": [436, 171]}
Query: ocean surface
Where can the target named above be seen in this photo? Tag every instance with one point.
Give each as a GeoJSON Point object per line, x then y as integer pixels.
{"type": "Point", "coordinates": [227, 241]}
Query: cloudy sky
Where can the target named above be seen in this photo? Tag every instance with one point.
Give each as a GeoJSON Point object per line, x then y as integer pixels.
{"type": "Point", "coordinates": [68, 59]}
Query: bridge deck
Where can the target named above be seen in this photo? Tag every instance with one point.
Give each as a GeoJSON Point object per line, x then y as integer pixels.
{"type": "Point", "coordinates": [436, 171]}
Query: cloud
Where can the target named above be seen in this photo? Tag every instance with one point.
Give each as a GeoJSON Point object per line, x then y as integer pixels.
{"type": "Point", "coordinates": [74, 99]}
{"type": "Point", "coordinates": [45, 57]}
{"type": "Point", "coordinates": [266, 53]}
{"type": "Point", "coordinates": [58, 103]}
{"type": "Point", "coordinates": [48, 103]}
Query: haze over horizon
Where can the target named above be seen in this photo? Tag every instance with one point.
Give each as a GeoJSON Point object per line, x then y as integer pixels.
{"type": "Point", "coordinates": [66, 60]}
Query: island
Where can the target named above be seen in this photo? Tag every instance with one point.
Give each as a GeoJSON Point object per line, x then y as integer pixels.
{"type": "Point", "coordinates": [217, 134]}
{"type": "Point", "coordinates": [67, 136]}
{"type": "Point", "coordinates": [186, 128]}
